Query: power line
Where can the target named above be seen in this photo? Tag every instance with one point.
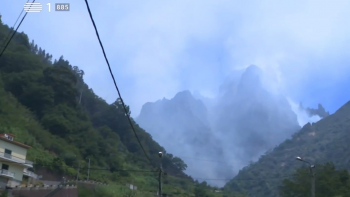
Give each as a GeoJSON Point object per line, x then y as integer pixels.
{"type": "Point", "coordinates": [151, 171]}
{"type": "Point", "coordinates": [13, 34]}
{"type": "Point", "coordinates": [247, 179]}
{"type": "Point", "coordinates": [115, 84]}
{"type": "Point", "coordinates": [9, 33]}
{"type": "Point", "coordinates": [239, 179]}
{"type": "Point", "coordinates": [205, 160]}
{"type": "Point", "coordinates": [107, 169]}
{"type": "Point", "coordinates": [234, 160]}
{"type": "Point", "coordinates": [118, 170]}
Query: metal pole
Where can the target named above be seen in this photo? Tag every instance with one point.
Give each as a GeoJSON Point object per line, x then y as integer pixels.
{"type": "Point", "coordinates": [160, 177]}
{"type": "Point", "coordinates": [88, 170]}
{"type": "Point", "coordinates": [78, 170]}
{"type": "Point", "coordinates": [312, 182]}
{"type": "Point", "coordinates": [312, 175]}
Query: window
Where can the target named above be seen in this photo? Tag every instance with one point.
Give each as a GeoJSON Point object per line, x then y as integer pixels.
{"type": "Point", "coordinates": [8, 153]}
{"type": "Point", "coordinates": [5, 167]}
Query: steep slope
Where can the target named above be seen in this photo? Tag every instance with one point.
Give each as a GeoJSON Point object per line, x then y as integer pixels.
{"type": "Point", "coordinates": [321, 142]}
{"type": "Point", "coordinates": [181, 124]}
{"type": "Point", "coordinates": [16, 119]}
{"type": "Point", "coordinates": [238, 126]}
{"type": "Point", "coordinates": [182, 112]}
{"type": "Point", "coordinates": [251, 119]}
{"type": "Point", "coordinates": [49, 106]}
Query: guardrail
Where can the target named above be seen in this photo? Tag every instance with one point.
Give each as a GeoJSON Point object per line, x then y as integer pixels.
{"type": "Point", "coordinates": [30, 173]}
{"type": "Point", "coordinates": [7, 173]}
{"type": "Point", "coordinates": [15, 159]}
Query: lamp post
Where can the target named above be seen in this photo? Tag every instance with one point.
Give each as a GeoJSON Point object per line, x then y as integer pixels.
{"type": "Point", "coordinates": [76, 157]}
{"type": "Point", "coordinates": [78, 170]}
{"type": "Point", "coordinates": [311, 166]}
{"type": "Point", "coordinates": [88, 171]}
{"type": "Point", "coordinates": [160, 154]}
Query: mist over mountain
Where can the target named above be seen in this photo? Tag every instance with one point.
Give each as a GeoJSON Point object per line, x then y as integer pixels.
{"type": "Point", "coordinates": [252, 119]}
{"type": "Point", "coordinates": [231, 130]}
{"type": "Point", "coordinates": [182, 125]}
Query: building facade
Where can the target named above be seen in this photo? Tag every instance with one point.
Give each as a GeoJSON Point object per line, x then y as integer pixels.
{"type": "Point", "coordinates": [13, 162]}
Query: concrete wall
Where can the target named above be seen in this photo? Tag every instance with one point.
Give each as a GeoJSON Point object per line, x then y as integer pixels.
{"type": "Point", "coordinates": [15, 168]}
{"type": "Point", "coordinates": [41, 192]}
{"type": "Point", "coordinates": [50, 182]}
{"type": "Point", "coordinates": [3, 182]}
{"type": "Point", "coordinates": [48, 175]}
{"type": "Point", "coordinates": [17, 151]}
{"type": "Point", "coordinates": [14, 183]}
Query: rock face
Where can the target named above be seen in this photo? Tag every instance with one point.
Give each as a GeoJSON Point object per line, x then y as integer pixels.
{"type": "Point", "coordinates": [235, 128]}
{"type": "Point", "coordinates": [182, 127]}
{"type": "Point", "coordinates": [180, 121]}
{"type": "Point", "coordinates": [252, 118]}
{"type": "Point", "coordinates": [320, 111]}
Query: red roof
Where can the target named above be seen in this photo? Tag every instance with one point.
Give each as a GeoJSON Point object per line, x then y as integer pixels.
{"type": "Point", "coordinates": [2, 137]}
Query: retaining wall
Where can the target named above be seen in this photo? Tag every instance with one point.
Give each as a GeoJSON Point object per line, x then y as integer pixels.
{"type": "Point", "coordinates": [66, 191]}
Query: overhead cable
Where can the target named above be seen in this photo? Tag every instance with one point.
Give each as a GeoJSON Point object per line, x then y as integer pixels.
{"type": "Point", "coordinates": [115, 84]}
{"type": "Point", "coordinates": [13, 34]}
{"type": "Point", "coordinates": [13, 27]}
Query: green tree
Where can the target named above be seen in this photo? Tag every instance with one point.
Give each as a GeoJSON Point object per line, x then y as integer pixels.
{"type": "Point", "coordinates": [329, 182]}
{"type": "Point", "coordinates": [179, 163]}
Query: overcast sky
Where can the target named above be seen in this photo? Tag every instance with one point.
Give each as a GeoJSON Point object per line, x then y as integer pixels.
{"type": "Point", "coordinates": [157, 48]}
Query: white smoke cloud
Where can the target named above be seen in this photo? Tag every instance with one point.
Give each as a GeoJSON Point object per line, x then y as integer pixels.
{"type": "Point", "coordinates": [303, 116]}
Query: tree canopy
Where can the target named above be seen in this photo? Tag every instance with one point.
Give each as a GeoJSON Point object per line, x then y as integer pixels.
{"type": "Point", "coordinates": [329, 182]}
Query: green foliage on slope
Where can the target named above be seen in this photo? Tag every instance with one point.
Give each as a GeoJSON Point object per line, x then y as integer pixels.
{"type": "Point", "coordinates": [321, 142]}
{"type": "Point", "coordinates": [329, 182]}
{"type": "Point", "coordinates": [47, 105]}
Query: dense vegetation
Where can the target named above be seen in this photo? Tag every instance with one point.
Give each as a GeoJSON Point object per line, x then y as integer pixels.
{"type": "Point", "coordinates": [321, 142]}
{"type": "Point", "coordinates": [47, 105]}
{"type": "Point", "coordinates": [329, 182]}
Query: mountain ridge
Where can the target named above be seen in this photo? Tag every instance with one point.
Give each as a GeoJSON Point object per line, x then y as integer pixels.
{"type": "Point", "coordinates": [244, 112]}
{"type": "Point", "coordinates": [320, 142]}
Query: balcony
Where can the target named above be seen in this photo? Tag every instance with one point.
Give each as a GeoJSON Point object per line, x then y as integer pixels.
{"type": "Point", "coordinates": [30, 174]}
{"type": "Point", "coordinates": [11, 158]}
{"type": "Point", "coordinates": [6, 173]}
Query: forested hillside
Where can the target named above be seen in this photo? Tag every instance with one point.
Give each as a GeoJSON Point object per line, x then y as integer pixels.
{"type": "Point", "coordinates": [319, 143]}
{"type": "Point", "coordinates": [47, 105]}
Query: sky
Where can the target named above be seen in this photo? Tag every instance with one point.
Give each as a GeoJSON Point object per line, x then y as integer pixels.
{"type": "Point", "coordinates": [158, 48]}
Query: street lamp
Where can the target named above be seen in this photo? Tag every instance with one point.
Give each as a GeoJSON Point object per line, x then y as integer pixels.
{"type": "Point", "coordinates": [160, 154]}
{"type": "Point", "coordinates": [88, 169]}
{"type": "Point", "coordinates": [78, 167]}
{"type": "Point", "coordinates": [311, 166]}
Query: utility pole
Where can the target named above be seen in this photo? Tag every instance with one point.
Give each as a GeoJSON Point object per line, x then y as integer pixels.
{"type": "Point", "coordinates": [78, 170]}
{"type": "Point", "coordinates": [312, 181]}
{"type": "Point", "coordinates": [160, 154]}
{"type": "Point", "coordinates": [311, 166]}
{"type": "Point", "coordinates": [88, 170]}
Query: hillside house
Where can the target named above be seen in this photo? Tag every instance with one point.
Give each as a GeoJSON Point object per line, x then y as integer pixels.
{"type": "Point", "coordinates": [14, 166]}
